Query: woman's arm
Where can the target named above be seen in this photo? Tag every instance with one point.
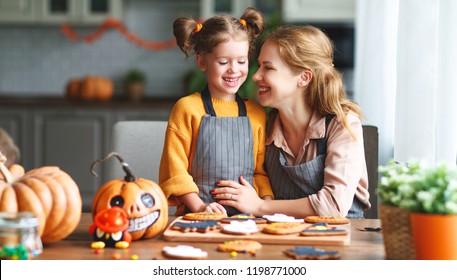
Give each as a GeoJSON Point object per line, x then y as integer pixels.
{"type": "Point", "coordinates": [245, 199]}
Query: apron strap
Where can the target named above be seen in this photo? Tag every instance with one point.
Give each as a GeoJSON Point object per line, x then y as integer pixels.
{"type": "Point", "coordinates": [322, 142]}
{"type": "Point", "coordinates": [210, 108]}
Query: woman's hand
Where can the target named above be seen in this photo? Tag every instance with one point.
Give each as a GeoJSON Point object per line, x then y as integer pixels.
{"type": "Point", "coordinates": [241, 196]}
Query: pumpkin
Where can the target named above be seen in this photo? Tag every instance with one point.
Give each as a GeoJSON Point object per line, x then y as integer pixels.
{"type": "Point", "coordinates": [142, 199]}
{"type": "Point", "coordinates": [90, 88]}
{"type": "Point", "coordinates": [47, 192]}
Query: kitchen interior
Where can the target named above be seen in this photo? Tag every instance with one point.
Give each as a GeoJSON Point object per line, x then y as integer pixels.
{"type": "Point", "coordinates": [47, 44]}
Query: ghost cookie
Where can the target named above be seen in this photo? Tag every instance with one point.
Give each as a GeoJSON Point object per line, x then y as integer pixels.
{"type": "Point", "coordinates": [332, 220]}
{"type": "Point", "coordinates": [240, 228]}
{"type": "Point", "coordinates": [322, 229]}
{"type": "Point", "coordinates": [184, 252]}
{"type": "Point", "coordinates": [281, 218]}
{"type": "Point", "coordinates": [203, 216]}
{"type": "Point", "coordinates": [311, 253]}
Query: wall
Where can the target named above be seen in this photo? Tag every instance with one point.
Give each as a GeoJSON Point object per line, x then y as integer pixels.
{"type": "Point", "coordinates": [39, 60]}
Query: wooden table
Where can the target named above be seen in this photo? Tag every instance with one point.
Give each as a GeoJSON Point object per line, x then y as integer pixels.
{"type": "Point", "coordinates": [364, 245]}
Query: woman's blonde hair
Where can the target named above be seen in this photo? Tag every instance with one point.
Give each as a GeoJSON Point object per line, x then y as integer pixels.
{"type": "Point", "coordinates": [309, 48]}
{"type": "Point", "coordinates": [193, 37]}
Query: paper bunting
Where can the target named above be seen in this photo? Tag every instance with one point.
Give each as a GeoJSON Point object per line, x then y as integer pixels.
{"type": "Point", "coordinates": [72, 35]}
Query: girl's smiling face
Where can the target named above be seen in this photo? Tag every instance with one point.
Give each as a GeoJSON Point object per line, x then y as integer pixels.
{"type": "Point", "coordinates": [226, 68]}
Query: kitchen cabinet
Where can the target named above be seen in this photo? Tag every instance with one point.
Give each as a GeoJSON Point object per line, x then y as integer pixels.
{"type": "Point", "coordinates": [72, 135]}
{"type": "Point", "coordinates": [318, 11]}
{"type": "Point", "coordinates": [18, 11]}
{"type": "Point", "coordinates": [209, 8]}
{"type": "Point", "coordinates": [79, 12]}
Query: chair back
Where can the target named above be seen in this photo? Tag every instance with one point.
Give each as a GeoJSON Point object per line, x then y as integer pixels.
{"type": "Point", "coordinates": [371, 145]}
{"type": "Point", "coordinates": [140, 143]}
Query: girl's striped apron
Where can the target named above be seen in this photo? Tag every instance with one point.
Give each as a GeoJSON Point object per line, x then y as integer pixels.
{"type": "Point", "coordinates": [224, 150]}
{"type": "Point", "coordinates": [293, 182]}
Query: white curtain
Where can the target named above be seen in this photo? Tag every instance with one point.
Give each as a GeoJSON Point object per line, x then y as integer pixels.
{"type": "Point", "coordinates": [406, 76]}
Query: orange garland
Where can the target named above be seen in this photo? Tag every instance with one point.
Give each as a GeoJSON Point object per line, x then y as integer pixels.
{"type": "Point", "coordinates": [114, 23]}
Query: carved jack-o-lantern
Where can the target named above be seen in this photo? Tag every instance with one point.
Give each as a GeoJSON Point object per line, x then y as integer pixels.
{"type": "Point", "coordinates": [142, 199]}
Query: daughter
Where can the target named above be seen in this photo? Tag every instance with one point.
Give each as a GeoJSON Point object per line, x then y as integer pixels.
{"type": "Point", "coordinates": [214, 134]}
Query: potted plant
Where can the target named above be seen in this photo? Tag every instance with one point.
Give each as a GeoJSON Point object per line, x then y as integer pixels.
{"type": "Point", "coordinates": [135, 82]}
{"type": "Point", "coordinates": [429, 197]}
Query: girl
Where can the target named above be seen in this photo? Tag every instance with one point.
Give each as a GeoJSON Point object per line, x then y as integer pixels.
{"type": "Point", "coordinates": [315, 154]}
{"type": "Point", "coordinates": [214, 134]}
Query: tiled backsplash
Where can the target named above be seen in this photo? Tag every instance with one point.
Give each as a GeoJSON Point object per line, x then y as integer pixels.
{"type": "Point", "coordinates": [39, 60]}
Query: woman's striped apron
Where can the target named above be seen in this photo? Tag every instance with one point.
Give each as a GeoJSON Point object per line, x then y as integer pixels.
{"type": "Point", "coordinates": [293, 182]}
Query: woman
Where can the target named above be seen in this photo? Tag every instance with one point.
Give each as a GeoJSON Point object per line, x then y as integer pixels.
{"type": "Point", "coordinates": [315, 154]}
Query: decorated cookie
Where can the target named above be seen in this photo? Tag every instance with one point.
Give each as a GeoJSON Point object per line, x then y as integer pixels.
{"type": "Point", "coordinates": [203, 216]}
{"type": "Point", "coordinates": [243, 217]}
{"type": "Point", "coordinates": [332, 220]}
{"type": "Point", "coordinates": [283, 228]}
{"type": "Point", "coordinates": [185, 252]}
{"type": "Point", "coordinates": [244, 227]}
{"type": "Point", "coordinates": [311, 253]}
{"type": "Point", "coordinates": [198, 226]}
{"type": "Point", "coordinates": [239, 246]}
{"type": "Point", "coordinates": [322, 229]}
{"type": "Point", "coordinates": [281, 218]}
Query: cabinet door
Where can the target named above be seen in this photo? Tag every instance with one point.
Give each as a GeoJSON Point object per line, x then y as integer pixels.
{"type": "Point", "coordinates": [309, 11]}
{"type": "Point", "coordinates": [17, 123]}
{"type": "Point", "coordinates": [17, 11]}
{"type": "Point", "coordinates": [73, 140]}
{"type": "Point", "coordinates": [79, 11]}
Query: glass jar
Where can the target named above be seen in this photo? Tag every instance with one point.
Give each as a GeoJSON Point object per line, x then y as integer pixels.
{"type": "Point", "coordinates": [19, 237]}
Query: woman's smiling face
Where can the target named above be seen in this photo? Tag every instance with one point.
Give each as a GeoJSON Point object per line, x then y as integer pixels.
{"type": "Point", "coordinates": [277, 83]}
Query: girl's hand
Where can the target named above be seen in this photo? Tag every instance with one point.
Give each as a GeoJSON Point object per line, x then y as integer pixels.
{"type": "Point", "coordinates": [241, 196]}
{"type": "Point", "coordinates": [213, 207]}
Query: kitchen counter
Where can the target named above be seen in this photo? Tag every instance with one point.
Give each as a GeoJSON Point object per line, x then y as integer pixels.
{"type": "Point", "coordinates": [59, 102]}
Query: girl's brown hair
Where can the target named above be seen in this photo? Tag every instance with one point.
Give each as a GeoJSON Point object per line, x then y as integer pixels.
{"type": "Point", "coordinates": [217, 29]}
{"type": "Point", "coordinates": [309, 48]}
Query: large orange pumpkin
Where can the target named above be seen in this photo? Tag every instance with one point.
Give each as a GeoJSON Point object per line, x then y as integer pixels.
{"type": "Point", "coordinates": [48, 192]}
{"type": "Point", "coordinates": [142, 199]}
{"type": "Point", "coordinates": [90, 88]}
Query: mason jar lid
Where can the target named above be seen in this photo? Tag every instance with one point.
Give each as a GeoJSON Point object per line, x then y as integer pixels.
{"type": "Point", "coordinates": [18, 220]}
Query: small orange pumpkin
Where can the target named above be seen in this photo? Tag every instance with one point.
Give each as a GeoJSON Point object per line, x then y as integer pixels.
{"type": "Point", "coordinates": [142, 199]}
{"type": "Point", "coordinates": [48, 192]}
{"type": "Point", "coordinates": [90, 88]}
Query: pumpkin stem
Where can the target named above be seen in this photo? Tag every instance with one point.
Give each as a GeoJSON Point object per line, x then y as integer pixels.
{"type": "Point", "coordinates": [129, 175]}
{"type": "Point", "coordinates": [4, 170]}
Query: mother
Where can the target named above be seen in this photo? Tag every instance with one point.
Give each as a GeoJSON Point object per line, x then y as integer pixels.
{"type": "Point", "coordinates": [315, 154]}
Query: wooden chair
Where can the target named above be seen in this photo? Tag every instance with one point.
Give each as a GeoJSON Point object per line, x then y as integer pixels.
{"type": "Point", "coordinates": [371, 144]}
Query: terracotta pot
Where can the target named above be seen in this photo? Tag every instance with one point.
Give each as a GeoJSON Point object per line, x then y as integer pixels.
{"type": "Point", "coordinates": [435, 236]}
{"type": "Point", "coordinates": [135, 91]}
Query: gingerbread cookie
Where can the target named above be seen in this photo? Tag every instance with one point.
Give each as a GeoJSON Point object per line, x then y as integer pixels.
{"type": "Point", "coordinates": [202, 226]}
{"type": "Point", "coordinates": [184, 252]}
{"type": "Point", "coordinates": [241, 228]}
{"type": "Point", "coordinates": [239, 246]}
{"type": "Point", "coordinates": [311, 253]}
{"type": "Point", "coordinates": [203, 216]}
{"type": "Point", "coordinates": [243, 217]}
{"type": "Point", "coordinates": [322, 229]}
{"type": "Point", "coordinates": [332, 220]}
{"type": "Point", "coordinates": [283, 228]}
{"type": "Point", "coordinates": [281, 218]}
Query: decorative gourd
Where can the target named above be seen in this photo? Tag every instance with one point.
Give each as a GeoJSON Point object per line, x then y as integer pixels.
{"type": "Point", "coordinates": [142, 199]}
{"type": "Point", "coordinates": [90, 88]}
{"type": "Point", "coordinates": [48, 192]}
